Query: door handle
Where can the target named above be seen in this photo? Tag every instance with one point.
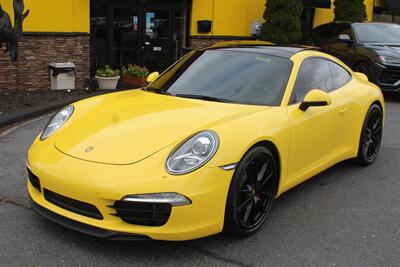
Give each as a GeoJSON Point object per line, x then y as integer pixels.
{"type": "Point", "coordinates": [342, 111]}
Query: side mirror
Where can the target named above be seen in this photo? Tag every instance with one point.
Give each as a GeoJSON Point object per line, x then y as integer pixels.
{"type": "Point", "coordinates": [315, 98]}
{"type": "Point", "coordinates": [345, 38]}
{"type": "Point", "coordinates": [152, 76]}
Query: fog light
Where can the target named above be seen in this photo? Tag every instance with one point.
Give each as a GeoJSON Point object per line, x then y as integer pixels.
{"type": "Point", "coordinates": [174, 199]}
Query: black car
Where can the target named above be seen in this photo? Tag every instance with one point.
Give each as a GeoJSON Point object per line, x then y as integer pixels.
{"type": "Point", "coordinates": [370, 48]}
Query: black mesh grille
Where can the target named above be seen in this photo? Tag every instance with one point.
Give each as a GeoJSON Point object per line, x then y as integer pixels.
{"type": "Point", "coordinates": [34, 180]}
{"type": "Point", "coordinates": [390, 77]}
{"type": "Point", "coordinates": [149, 214]}
{"type": "Point", "coordinates": [73, 205]}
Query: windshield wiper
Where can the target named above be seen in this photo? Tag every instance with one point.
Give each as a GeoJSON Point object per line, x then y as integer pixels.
{"type": "Point", "coordinates": [155, 90]}
{"type": "Point", "coordinates": [204, 97]}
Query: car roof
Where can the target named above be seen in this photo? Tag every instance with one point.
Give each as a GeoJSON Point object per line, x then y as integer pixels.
{"type": "Point", "coordinates": [260, 47]}
{"type": "Point", "coordinates": [356, 23]}
{"type": "Point", "coordinates": [373, 23]}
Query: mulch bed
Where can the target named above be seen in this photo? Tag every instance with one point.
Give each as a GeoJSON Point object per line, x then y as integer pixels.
{"type": "Point", "coordinates": [18, 100]}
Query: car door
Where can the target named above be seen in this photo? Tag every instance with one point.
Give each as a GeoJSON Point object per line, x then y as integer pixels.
{"type": "Point", "coordinates": [350, 112]}
{"type": "Point", "coordinates": [345, 51]}
{"type": "Point", "coordinates": [315, 133]}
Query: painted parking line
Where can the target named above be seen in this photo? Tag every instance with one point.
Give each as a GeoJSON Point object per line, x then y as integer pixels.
{"type": "Point", "coordinates": [16, 127]}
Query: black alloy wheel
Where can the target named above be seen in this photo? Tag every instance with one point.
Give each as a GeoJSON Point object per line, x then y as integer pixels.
{"type": "Point", "coordinates": [251, 193]}
{"type": "Point", "coordinates": [371, 136]}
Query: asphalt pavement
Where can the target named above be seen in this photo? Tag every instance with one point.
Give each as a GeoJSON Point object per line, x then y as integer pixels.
{"type": "Point", "coordinates": [346, 216]}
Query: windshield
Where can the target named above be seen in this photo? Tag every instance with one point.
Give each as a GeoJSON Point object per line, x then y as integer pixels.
{"type": "Point", "coordinates": [228, 75]}
{"type": "Point", "coordinates": [378, 33]}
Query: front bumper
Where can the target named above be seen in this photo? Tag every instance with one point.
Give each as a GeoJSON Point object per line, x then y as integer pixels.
{"type": "Point", "coordinates": [84, 228]}
{"type": "Point", "coordinates": [101, 185]}
{"type": "Point", "coordinates": [388, 77]}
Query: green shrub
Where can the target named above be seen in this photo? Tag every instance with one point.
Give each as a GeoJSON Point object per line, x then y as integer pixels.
{"type": "Point", "coordinates": [135, 71]}
{"type": "Point", "coordinates": [350, 10]}
{"type": "Point", "coordinates": [282, 21]}
{"type": "Point", "coordinates": [107, 71]}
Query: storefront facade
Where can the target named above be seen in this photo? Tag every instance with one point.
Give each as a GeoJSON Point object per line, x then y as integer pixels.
{"type": "Point", "coordinates": [387, 11]}
{"type": "Point", "coordinates": [151, 33]}
{"type": "Point", "coordinates": [147, 33]}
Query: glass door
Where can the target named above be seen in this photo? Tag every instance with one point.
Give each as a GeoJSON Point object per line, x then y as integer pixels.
{"type": "Point", "coordinates": [147, 33]}
{"type": "Point", "coordinates": [179, 33]}
{"type": "Point", "coordinates": [156, 44]}
{"type": "Point", "coordinates": [125, 36]}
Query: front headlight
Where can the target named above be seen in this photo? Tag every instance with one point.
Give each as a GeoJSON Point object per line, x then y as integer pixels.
{"type": "Point", "coordinates": [56, 122]}
{"type": "Point", "coordinates": [389, 60]}
{"type": "Point", "coordinates": [193, 153]}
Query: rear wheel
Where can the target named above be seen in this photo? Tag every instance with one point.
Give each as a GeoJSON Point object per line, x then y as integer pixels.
{"type": "Point", "coordinates": [371, 136]}
{"type": "Point", "coordinates": [251, 192]}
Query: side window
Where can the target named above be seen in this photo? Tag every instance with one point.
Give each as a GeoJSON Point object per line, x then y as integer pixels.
{"type": "Point", "coordinates": [325, 32]}
{"type": "Point", "coordinates": [314, 73]}
{"type": "Point", "coordinates": [340, 75]}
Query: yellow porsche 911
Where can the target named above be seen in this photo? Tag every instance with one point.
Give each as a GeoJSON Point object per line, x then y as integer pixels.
{"type": "Point", "coordinates": [207, 146]}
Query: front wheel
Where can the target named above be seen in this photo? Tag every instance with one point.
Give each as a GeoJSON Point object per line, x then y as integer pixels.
{"type": "Point", "coordinates": [365, 69]}
{"type": "Point", "coordinates": [371, 136]}
{"type": "Point", "coordinates": [251, 192]}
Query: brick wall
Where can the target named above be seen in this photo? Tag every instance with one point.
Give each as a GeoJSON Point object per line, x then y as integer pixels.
{"type": "Point", "coordinates": [35, 52]}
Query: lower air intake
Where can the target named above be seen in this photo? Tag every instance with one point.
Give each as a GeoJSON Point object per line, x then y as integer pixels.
{"type": "Point", "coordinates": [148, 214]}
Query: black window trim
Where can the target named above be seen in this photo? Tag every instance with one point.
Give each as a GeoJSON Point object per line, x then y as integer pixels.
{"type": "Point", "coordinates": [291, 103]}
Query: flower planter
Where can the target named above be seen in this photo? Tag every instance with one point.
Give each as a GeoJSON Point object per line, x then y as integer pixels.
{"type": "Point", "coordinates": [107, 83]}
{"type": "Point", "coordinates": [141, 82]}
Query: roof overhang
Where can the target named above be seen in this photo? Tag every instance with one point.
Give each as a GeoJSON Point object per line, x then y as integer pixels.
{"type": "Point", "coordinates": [393, 5]}
{"type": "Point", "coordinates": [319, 3]}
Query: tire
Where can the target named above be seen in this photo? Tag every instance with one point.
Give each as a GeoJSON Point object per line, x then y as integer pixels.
{"type": "Point", "coordinates": [251, 192]}
{"type": "Point", "coordinates": [371, 137]}
{"type": "Point", "coordinates": [367, 70]}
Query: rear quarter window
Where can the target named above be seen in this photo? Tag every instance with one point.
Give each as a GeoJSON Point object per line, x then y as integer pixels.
{"type": "Point", "coordinates": [340, 75]}
{"type": "Point", "coordinates": [314, 73]}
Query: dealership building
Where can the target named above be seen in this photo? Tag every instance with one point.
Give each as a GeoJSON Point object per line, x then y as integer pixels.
{"type": "Point", "coordinates": [151, 33]}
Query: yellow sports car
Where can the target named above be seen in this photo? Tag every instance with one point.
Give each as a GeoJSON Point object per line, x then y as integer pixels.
{"type": "Point", "coordinates": [207, 146]}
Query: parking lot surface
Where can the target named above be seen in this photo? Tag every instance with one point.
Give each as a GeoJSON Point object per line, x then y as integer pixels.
{"type": "Point", "coordinates": [346, 216]}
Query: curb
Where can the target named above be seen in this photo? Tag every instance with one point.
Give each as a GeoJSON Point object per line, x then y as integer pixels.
{"type": "Point", "coordinates": [34, 111]}
{"type": "Point", "coordinates": [41, 109]}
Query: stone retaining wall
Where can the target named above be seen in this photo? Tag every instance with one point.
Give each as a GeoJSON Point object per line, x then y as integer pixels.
{"type": "Point", "coordinates": [35, 52]}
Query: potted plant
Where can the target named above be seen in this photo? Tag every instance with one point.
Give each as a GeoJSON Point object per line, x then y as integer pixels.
{"type": "Point", "coordinates": [107, 77]}
{"type": "Point", "coordinates": [135, 75]}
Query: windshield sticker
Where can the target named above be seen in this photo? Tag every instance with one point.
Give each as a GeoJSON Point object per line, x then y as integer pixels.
{"type": "Point", "coordinates": [264, 59]}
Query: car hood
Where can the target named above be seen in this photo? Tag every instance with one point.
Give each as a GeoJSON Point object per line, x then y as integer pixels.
{"type": "Point", "coordinates": [392, 50]}
{"type": "Point", "coordinates": [127, 127]}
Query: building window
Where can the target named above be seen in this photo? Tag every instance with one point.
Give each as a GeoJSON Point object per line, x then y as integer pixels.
{"type": "Point", "coordinates": [152, 33]}
{"type": "Point", "coordinates": [387, 11]}
{"type": "Point", "coordinates": [98, 31]}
